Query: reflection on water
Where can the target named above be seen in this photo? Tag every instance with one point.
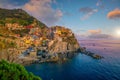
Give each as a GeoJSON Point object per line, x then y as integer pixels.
{"type": "Point", "coordinates": [82, 67]}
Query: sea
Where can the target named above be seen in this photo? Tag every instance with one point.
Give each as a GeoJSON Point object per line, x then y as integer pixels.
{"type": "Point", "coordinates": [83, 67]}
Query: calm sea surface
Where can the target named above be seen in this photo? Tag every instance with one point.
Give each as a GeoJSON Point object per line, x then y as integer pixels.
{"type": "Point", "coordinates": [83, 67]}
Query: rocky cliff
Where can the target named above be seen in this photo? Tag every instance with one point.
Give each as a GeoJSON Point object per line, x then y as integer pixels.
{"type": "Point", "coordinates": [64, 41]}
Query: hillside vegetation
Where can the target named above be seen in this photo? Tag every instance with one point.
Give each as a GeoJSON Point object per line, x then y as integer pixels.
{"type": "Point", "coordinates": [17, 16]}
{"type": "Point", "coordinates": [12, 71]}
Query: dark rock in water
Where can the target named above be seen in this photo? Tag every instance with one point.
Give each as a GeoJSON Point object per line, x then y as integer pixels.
{"type": "Point", "coordinates": [97, 56]}
{"type": "Point", "coordinates": [91, 54]}
{"type": "Point", "coordinates": [78, 50]}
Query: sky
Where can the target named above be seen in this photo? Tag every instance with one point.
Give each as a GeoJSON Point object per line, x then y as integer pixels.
{"type": "Point", "coordinates": [83, 17]}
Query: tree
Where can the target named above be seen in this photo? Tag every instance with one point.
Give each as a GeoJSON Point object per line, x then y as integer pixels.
{"type": "Point", "coordinates": [12, 71]}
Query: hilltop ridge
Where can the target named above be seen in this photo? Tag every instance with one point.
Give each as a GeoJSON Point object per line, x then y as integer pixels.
{"type": "Point", "coordinates": [18, 16]}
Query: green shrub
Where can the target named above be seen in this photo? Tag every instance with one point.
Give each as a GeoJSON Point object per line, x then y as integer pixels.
{"type": "Point", "coordinates": [12, 71]}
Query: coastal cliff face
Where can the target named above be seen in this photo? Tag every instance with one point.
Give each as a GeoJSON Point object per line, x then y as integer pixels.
{"type": "Point", "coordinates": [64, 41]}
{"type": "Point", "coordinates": [31, 40]}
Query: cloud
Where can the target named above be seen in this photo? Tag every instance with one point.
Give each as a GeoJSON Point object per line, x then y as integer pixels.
{"type": "Point", "coordinates": [115, 14]}
{"type": "Point", "coordinates": [99, 3]}
{"type": "Point", "coordinates": [88, 12]}
{"type": "Point", "coordinates": [94, 31]}
{"type": "Point", "coordinates": [100, 36]}
{"type": "Point", "coordinates": [97, 34]}
{"type": "Point", "coordinates": [42, 10]}
{"type": "Point", "coordinates": [11, 4]}
{"type": "Point", "coordinates": [93, 34]}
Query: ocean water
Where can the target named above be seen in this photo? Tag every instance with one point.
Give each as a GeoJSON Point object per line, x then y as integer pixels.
{"type": "Point", "coordinates": [83, 67]}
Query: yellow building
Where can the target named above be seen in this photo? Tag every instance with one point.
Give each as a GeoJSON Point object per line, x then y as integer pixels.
{"type": "Point", "coordinates": [58, 32]}
{"type": "Point", "coordinates": [28, 41]}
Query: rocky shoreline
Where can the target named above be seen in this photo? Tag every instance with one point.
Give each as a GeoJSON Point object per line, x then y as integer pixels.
{"type": "Point", "coordinates": [46, 57]}
{"type": "Point", "coordinates": [57, 57]}
{"type": "Point", "coordinates": [91, 54]}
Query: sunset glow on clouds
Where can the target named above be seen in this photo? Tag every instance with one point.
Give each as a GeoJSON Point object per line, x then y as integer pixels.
{"type": "Point", "coordinates": [115, 14]}
{"type": "Point", "coordinates": [95, 31]}
{"type": "Point", "coordinates": [43, 11]}
{"type": "Point", "coordinates": [97, 34]}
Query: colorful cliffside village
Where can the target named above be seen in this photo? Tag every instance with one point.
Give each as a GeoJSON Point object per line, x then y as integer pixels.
{"type": "Point", "coordinates": [24, 39]}
{"type": "Point", "coordinates": [50, 41]}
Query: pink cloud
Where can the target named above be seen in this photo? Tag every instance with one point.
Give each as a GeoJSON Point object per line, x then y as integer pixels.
{"type": "Point", "coordinates": [97, 34]}
{"type": "Point", "coordinates": [42, 10]}
{"type": "Point", "coordinates": [95, 31]}
{"type": "Point", "coordinates": [100, 36]}
{"type": "Point", "coordinates": [115, 14]}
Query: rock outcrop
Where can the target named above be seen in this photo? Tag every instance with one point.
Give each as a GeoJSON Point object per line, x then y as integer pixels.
{"type": "Point", "coordinates": [64, 41]}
